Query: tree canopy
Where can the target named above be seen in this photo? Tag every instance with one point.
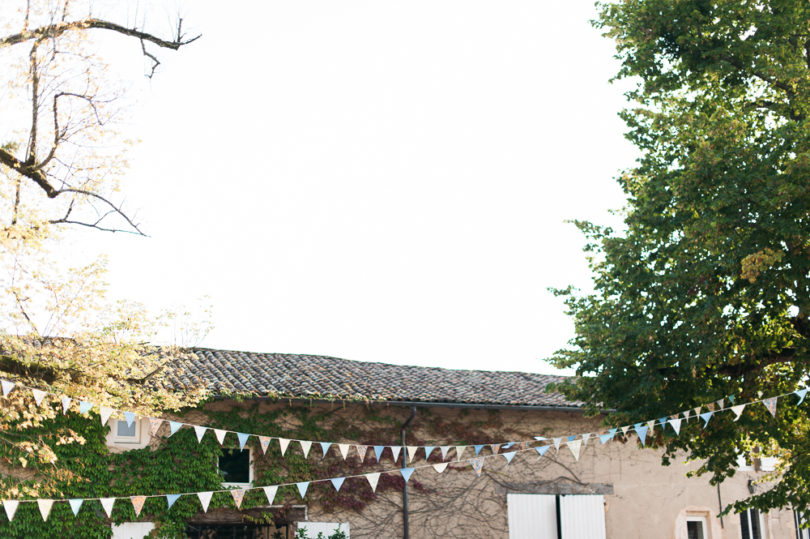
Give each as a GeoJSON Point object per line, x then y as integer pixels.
{"type": "Point", "coordinates": [705, 292]}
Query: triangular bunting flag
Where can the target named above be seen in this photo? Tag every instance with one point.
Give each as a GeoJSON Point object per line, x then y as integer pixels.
{"type": "Point", "coordinates": [585, 438]}
{"type": "Point", "coordinates": [445, 449]}
{"type": "Point", "coordinates": [509, 456]}
{"type": "Point", "coordinates": [395, 450]}
{"type": "Point", "coordinates": [85, 406]}
{"type": "Point", "coordinates": [45, 508]}
{"type": "Point", "coordinates": [361, 452]}
{"type": "Point", "coordinates": [270, 494]}
{"type": "Point", "coordinates": [105, 413]}
{"type": "Point", "coordinates": [65, 404]}
{"type": "Point", "coordinates": [7, 386]}
{"type": "Point", "coordinates": [460, 451]}
{"type": "Point", "coordinates": [154, 425]}
{"type": "Point", "coordinates": [75, 505]}
{"type": "Point", "coordinates": [337, 482]}
{"type": "Point", "coordinates": [676, 425]}
{"type": "Point", "coordinates": [344, 450]}
{"type": "Point", "coordinates": [174, 426]}
{"type": "Point", "coordinates": [305, 446]}
{"type": "Point", "coordinates": [243, 438]}
{"type": "Point", "coordinates": [720, 404]}
{"type": "Point", "coordinates": [557, 442]}
{"type": "Point", "coordinates": [710, 406]}
{"type": "Point", "coordinates": [171, 498]}
{"type": "Point", "coordinates": [687, 414]}
{"type": "Point", "coordinates": [801, 393]}
{"type": "Point", "coordinates": [200, 432]}
{"type": "Point", "coordinates": [130, 418]}
{"type": "Point", "coordinates": [697, 410]}
{"type": "Point", "coordinates": [220, 434]}
{"type": "Point", "coordinates": [477, 465]}
{"type": "Point", "coordinates": [440, 467]}
{"type": "Point", "coordinates": [495, 448]}
{"type": "Point", "coordinates": [575, 446]}
{"type": "Point", "coordinates": [605, 438]}
{"type": "Point", "coordinates": [663, 422]}
{"type": "Point", "coordinates": [478, 448]}
{"type": "Point", "coordinates": [302, 488]}
{"type": "Point", "coordinates": [731, 398]}
{"type": "Point", "coordinates": [651, 426]}
{"type": "Point", "coordinates": [625, 429]}
{"type": "Point", "coordinates": [541, 450]}
{"type": "Point", "coordinates": [372, 480]}
{"type": "Point", "coordinates": [11, 507]}
{"type": "Point", "coordinates": [738, 410]}
{"type": "Point", "coordinates": [770, 404]}
{"type": "Point", "coordinates": [238, 494]}
{"type": "Point", "coordinates": [325, 448]}
{"type": "Point", "coordinates": [428, 450]}
{"type": "Point", "coordinates": [411, 449]}
{"type": "Point", "coordinates": [205, 499]}
{"type": "Point", "coordinates": [642, 433]}
{"type": "Point", "coordinates": [378, 449]}
{"type": "Point", "coordinates": [406, 473]}
{"type": "Point", "coordinates": [706, 417]}
{"type": "Point", "coordinates": [39, 395]}
{"type": "Point", "coordinates": [264, 442]}
{"type": "Point", "coordinates": [137, 503]}
{"type": "Point", "coordinates": [282, 444]}
{"type": "Point", "coordinates": [107, 504]}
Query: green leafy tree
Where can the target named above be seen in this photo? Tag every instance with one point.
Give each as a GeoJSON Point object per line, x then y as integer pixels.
{"type": "Point", "coordinates": [705, 292]}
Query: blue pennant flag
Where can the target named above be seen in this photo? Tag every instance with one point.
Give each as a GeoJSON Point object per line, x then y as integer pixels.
{"type": "Point", "coordinates": [731, 398]}
{"type": "Point", "coordinates": [541, 450]}
{"type": "Point", "coordinates": [428, 450]}
{"type": "Point", "coordinates": [406, 473]}
{"type": "Point", "coordinates": [325, 447]}
{"type": "Point", "coordinates": [337, 482]}
{"type": "Point", "coordinates": [572, 438]}
{"type": "Point", "coordinates": [642, 434]}
{"type": "Point", "coordinates": [509, 456]}
{"type": "Point", "coordinates": [478, 449]}
{"type": "Point", "coordinates": [85, 406]}
{"type": "Point", "coordinates": [130, 417]}
{"type": "Point", "coordinates": [302, 487]}
{"type": "Point", "coordinates": [605, 438]}
{"type": "Point", "coordinates": [378, 449]}
{"type": "Point", "coordinates": [243, 438]}
{"type": "Point", "coordinates": [171, 498]}
{"type": "Point", "coordinates": [174, 426]}
{"type": "Point", "coordinates": [75, 505]}
{"type": "Point", "coordinates": [706, 416]}
{"type": "Point", "coordinates": [510, 444]}
{"type": "Point", "coordinates": [663, 421]}
{"type": "Point", "coordinates": [801, 393]}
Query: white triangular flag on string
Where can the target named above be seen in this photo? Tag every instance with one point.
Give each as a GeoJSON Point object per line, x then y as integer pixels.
{"type": "Point", "coordinates": [238, 495]}
{"type": "Point", "coordinates": [302, 488]}
{"type": "Point", "coordinates": [586, 437]}
{"type": "Point", "coordinates": [697, 410]}
{"type": "Point", "coordinates": [411, 452]}
{"type": "Point", "coordinates": [395, 451]}
{"type": "Point", "coordinates": [444, 449]}
{"type": "Point", "coordinates": [174, 426]}
{"type": "Point", "coordinates": [7, 386]}
{"type": "Point", "coordinates": [45, 508]}
{"type": "Point", "coordinates": [344, 450]}
{"type": "Point", "coordinates": [625, 429]}
{"type": "Point", "coordinates": [75, 505]}
{"type": "Point", "coordinates": [65, 404]}
{"type": "Point", "coordinates": [557, 442]}
{"type": "Point", "coordinates": [270, 493]}
{"type": "Point", "coordinates": [39, 395]}
{"type": "Point", "coordinates": [372, 480]}
{"type": "Point", "coordinates": [676, 425]}
{"type": "Point", "coordinates": [200, 432]}
{"type": "Point", "coordinates": [575, 446]}
{"type": "Point", "coordinates": [460, 451]}
{"type": "Point", "coordinates": [154, 425]}
{"type": "Point", "coordinates": [283, 443]}
{"type": "Point", "coordinates": [220, 434]}
{"type": "Point", "coordinates": [651, 426]}
{"type": "Point", "coordinates": [738, 410]}
{"type": "Point", "coordinates": [305, 445]}
{"type": "Point", "coordinates": [105, 414]}
{"type": "Point", "coordinates": [509, 455]}
{"type": "Point", "coordinates": [107, 504]}
{"type": "Point", "coordinates": [687, 414]}
{"type": "Point", "coordinates": [770, 404]}
{"type": "Point", "coordinates": [720, 403]}
{"type": "Point", "coordinates": [264, 441]}
{"type": "Point", "coordinates": [11, 507]}
{"type": "Point", "coordinates": [440, 467]}
{"type": "Point", "coordinates": [205, 499]}
{"type": "Point", "coordinates": [801, 393]}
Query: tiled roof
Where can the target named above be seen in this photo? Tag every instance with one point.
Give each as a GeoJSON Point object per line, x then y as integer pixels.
{"type": "Point", "coordinates": [321, 377]}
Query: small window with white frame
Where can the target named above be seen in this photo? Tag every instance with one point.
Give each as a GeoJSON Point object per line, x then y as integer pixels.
{"type": "Point", "coordinates": [696, 527]}
{"type": "Point", "coordinates": [751, 524]}
{"type": "Point", "coordinates": [236, 467]}
{"type": "Point", "coordinates": [124, 433]}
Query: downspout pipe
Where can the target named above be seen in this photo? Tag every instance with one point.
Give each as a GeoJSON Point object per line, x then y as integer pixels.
{"type": "Point", "coordinates": [402, 430]}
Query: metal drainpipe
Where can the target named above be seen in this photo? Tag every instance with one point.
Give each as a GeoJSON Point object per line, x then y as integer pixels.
{"type": "Point", "coordinates": [402, 429]}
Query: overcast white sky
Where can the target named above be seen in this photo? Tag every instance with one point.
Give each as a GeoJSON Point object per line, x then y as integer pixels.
{"type": "Point", "coordinates": [376, 180]}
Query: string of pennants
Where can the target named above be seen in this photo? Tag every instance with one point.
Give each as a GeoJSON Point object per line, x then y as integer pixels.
{"type": "Point", "coordinates": [575, 444]}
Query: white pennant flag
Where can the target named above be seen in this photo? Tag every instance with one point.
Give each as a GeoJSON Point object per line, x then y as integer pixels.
{"type": "Point", "coordinates": [344, 450]}
{"type": "Point", "coordinates": [440, 467]}
{"type": "Point", "coordinates": [305, 445]}
{"type": "Point", "coordinates": [460, 451]}
{"type": "Point", "coordinates": [107, 504]}
{"type": "Point", "coordinates": [445, 449]}
{"type": "Point", "coordinates": [200, 432]}
{"type": "Point", "coordinates": [411, 452]}
{"type": "Point", "coordinates": [65, 404]}
{"type": "Point", "coordinates": [625, 429]}
{"type": "Point", "coordinates": [39, 395]}
{"type": "Point", "coordinates": [395, 450]}
{"type": "Point", "coordinates": [11, 507]}
{"type": "Point", "coordinates": [220, 434]}
{"type": "Point", "coordinates": [205, 499]}
{"type": "Point", "coordinates": [283, 443]}
{"type": "Point", "coordinates": [270, 492]}
{"type": "Point", "coordinates": [676, 425]}
{"type": "Point", "coordinates": [372, 480]}
{"type": "Point", "coordinates": [105, 414]}
{"type": "Point", "coordinates": [651, 426]}
{"type": "Point", "coordinates": [557, 442]}
{"type": "Point", "coordinates": [575, 446]}
{"type": "Point", "coordinates": [586, 437]}
{"type": "Point", "coordinates": [738, 410]}
{"type": "Point", "coordinates": [7, 386]}
{"type": "Point", "coordinates": [45, 508]}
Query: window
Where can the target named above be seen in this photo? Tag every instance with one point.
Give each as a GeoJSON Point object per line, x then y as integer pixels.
{"type": "Point", "coordinates": [696, 527]}
{"type": "Point", "coordinates": [236, 467]}
{"type": "Point", "coordinates": [751, 524]}
{"type": "Point", "coordinates": [126, 434]}
{"type": "Point", "coordinates": [132, 530]}
{"type": "Point", "coordinates": [535, 515]}
{"type": "Point", "coordinates": [800, 519]}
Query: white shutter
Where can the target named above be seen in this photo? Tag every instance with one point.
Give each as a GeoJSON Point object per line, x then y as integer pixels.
{"type": "Point", "coordinates": [583, 516]}
{"type": "Point", "coordinates": [531, 516]}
